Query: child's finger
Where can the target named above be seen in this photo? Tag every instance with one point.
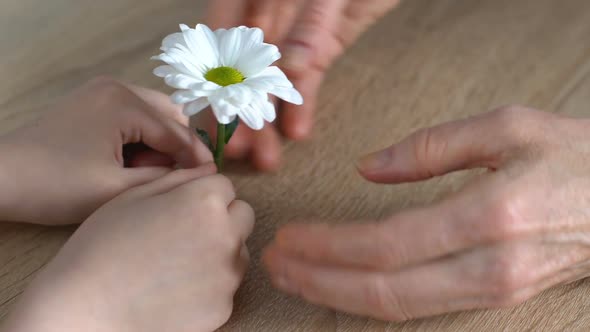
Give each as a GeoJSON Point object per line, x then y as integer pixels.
{"type": "Point", "coordinates": [160, 102]}
{"type": "Point", "coordinates": [155, 185]}
{"type": "Point", "coordinates": [141, 123]}
{"type": "Point", "coordinates": [243, 215]}
{"type": "Point", "coordinates": [139, 155]}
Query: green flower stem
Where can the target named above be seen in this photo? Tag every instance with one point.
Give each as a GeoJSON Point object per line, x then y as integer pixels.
{"type": "Point", "coordinates": [220, 146]}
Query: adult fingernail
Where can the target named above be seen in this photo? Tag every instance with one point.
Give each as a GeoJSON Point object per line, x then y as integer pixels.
{"type": "Point", "coordinates": [296, 57]}
{"type": "Point", "coordinates": [300, 131]}
{"type": "Point", "coordinates": [375, 161]}
{"type": "Point", "coordinates": [285, 285]}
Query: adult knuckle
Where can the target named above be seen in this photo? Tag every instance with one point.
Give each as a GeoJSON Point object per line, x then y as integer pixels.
{"type": "Point", "coordinates": [516, 123]}
{"type": "Point", "coordinates": [506, 300]}
{"type": "Point", "coordinates": [307, 287]}
{"type": "Point", "coordinates": [502, 218]}
{"type": "Point", "coordinates": [314, 14]}
{"type": "Point", "coordinates": [506, 276]}
{"type": "Point", "coordinates": [509, 300]}
{"type": "Point", "coordinates": [429, 149]}
{"type": "Point", "coordinates": [384, 300]}
{"type": "Point", "coordinates": [389, 254]}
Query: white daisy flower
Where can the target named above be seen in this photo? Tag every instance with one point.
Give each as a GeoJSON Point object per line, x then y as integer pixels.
{"type": "Point", "coordinates": [227, 69]}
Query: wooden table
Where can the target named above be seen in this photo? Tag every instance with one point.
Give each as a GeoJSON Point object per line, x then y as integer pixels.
{"type": "Point", "coordinates": [427, 62]}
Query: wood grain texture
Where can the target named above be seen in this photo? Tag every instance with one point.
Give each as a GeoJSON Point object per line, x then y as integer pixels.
{"type": "Point", "coordinates": [425, 63]}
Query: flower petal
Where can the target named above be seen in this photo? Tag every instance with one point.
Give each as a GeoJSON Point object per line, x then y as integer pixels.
{"type": "Point", "coordinates": [205, 86]}
{"type": "Point", "coordinates": [251, 37]}
{"type": "Point", "coordinates": [203, 48]}
{"type": "Point", "coordinates": [268, 79]}
{"type": "Point", "coordinates": [171, 40]}
{"type": "Point", "coordinates": [238, 94]}
{"type": "Point", "coordinates": [290, 95]}
{"type": "Point", "coordinates": [187, 96]}
{"type": "Point", "coordinates": [196, 106]}
{"type": "Point", "coordinates": [182, 81]}
{"type": "Point", "coordinates": [182, 60]}
{"type": "Point", "coordinates": [251, 117]}
{"type": "Point", "coordinates": [256, 59]}
{"type": "Point", "coordinates": [267, 109]}
{"type": "Point", "coordinates": [230, 46]}
{"type": "Point", "coordinates": [223, 111]}
{"type": "Point", "coordinates": [165, 70]}
{"type": "Point", "coordinates": [212, 38]}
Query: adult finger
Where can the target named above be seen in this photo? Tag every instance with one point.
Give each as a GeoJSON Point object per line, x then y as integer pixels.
{"type": "Point", "coordinates": [266, 149]}
{"type": "Point", "coordinates": [297, 121]}
{"type": "Point", "coordinates": [225, 13]}
{"type": "Point", "coordinates": [482, 141]}
{"type": "Point", "coordinates": [312, 41]}
{"type": "Point", "coordinates": [460, 222]}
{"type": "Point", "coordinates": [285, 13]}
{"type": "Point", "coordinates": [259, 13]}
{"type": "Point", "coordinates": [425, 290]}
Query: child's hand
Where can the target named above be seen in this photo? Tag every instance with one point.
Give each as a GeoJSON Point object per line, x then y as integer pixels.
{"type": "Point", "coordinates": [64, 166]}
{"type": "Point", "coordinates": [165, 256]}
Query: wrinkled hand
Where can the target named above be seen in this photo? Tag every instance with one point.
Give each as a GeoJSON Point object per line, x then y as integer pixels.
{"type": "Point", "coordinates": [64, 166]}
{"type": "Point", "coordinates": [311, 34]}
{"type": "Point", "coordinates": [165, 256]}
{"type": "Point", "coordinates": [515, 231]}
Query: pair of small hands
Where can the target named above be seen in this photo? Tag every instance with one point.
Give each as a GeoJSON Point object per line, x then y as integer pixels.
{"type": "Point", "coordinates": [162, 250]}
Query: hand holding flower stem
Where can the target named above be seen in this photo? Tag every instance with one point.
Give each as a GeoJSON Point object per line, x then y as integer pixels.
{"type": "Point", "coordinates": [229, 70]}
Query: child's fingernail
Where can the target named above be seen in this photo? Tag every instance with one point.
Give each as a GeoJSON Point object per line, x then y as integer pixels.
{"type": "Point", "coordinates": [375, 161]}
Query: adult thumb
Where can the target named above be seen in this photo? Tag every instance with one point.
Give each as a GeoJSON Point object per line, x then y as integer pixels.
{"type": "Point", "coordinates": [435, 151]}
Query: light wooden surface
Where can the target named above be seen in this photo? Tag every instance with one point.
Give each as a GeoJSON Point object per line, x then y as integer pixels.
{"type": "Point", "coordinates": [428, 62]}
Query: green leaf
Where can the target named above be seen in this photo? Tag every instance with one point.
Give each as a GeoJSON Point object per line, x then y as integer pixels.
{"type": "Point", "coordinates": [230, 129]}
{"type": "Point", "coordinates": [205, 139]}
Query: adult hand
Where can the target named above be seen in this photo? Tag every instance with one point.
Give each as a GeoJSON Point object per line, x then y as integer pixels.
{"type": "Point", "coordinates": [311, 34]}
{"type": "Point", "coordinates": [515, 231]}
{"type": "Point", "coordinates": [61, 168]}
{"type": "Point", "coordinates": [165, 256]}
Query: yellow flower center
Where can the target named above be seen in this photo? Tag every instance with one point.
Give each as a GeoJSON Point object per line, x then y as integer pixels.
{"type": "Point", "coordinates": [224, 76]}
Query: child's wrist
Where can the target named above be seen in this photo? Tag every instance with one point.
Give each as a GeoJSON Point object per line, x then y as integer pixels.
{"type": "Point", "coordinates": [11, 199]}
{"type": "Point", "coordinates": [50, 306]}
{"type": "Point", "coordinates": [21, 169]}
